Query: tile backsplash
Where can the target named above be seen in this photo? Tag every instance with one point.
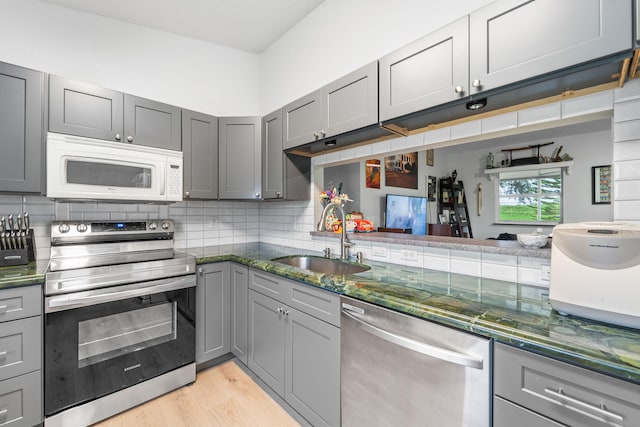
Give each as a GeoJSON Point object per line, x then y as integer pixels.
{"type": "Point", "coordinates": [200, 223]}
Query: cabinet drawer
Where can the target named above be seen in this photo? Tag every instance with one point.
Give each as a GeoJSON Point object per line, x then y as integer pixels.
{"type": "Point", "coordinates": [20, 401]}
{"type": "Point", "coordinates": [562, 392]}
{"type": "Point", "coordinates": [20, 347]}
{"type": "Point", "coordinates": [267, 284]}
{"type": "Point", "coordinates": [16, 303]}
{"type": "Point", "coordinates": [506, 414]}
{"type": "Point", "coordinates": [318, 303]}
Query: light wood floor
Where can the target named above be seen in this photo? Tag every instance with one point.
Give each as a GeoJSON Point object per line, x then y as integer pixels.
{"type": "Point", "coordinates": [223, 395]}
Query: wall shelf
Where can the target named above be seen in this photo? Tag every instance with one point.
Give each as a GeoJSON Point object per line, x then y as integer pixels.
{"type": "Point", "coordinates": [538, 166]}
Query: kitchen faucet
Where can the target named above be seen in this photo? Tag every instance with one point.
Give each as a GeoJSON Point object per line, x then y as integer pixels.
{"type": "Point", "coordinates": [345, 244]}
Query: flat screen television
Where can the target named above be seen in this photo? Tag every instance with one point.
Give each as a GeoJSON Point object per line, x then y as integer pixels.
{"type": "Point", "coordinates": [407, 212]}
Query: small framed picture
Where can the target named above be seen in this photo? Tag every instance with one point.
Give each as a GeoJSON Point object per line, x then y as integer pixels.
{"type": "Point", "coordinates": [430, 157]}
{"type": "Point", "coordinates": [601, 185]}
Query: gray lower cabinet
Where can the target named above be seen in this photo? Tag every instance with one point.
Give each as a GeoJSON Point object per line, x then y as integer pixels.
{"type": "Point", "coordinates": [21, 356]}
{"type": "Point", "coordinates": [21, 105]}
{"type": "Point", "coordinates": [513, 40]}
{"type": "Point", "coordinates": [294, 352]}
{"type": "Point", "coordinates": [213, 311]}
{"type": "Point", "coordinates": [200, 154]}
{"type": "Point", "coordinates": [284, 175]}
{"type": "Point", "coordinates": [431, 71]}
{"type": "Point", "coordinates": [240, 159]}
{"type": "Point", "coordinates": [533, 390]}
{"type": "Point", "coordinates": [78, 108]}
{"type": "Point", "coordinates": [239, 311]}
{"type": "Point", "coordinates": [346, 104]}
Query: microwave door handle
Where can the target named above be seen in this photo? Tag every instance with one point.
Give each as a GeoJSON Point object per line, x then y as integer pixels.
{"type": "Point", "coordinates": [163, 181]}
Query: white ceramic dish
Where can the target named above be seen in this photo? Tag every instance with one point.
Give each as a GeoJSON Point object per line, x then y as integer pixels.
{"type": "Point", "coordinates": [533, 240]}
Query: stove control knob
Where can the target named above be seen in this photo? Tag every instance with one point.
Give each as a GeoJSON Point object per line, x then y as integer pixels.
{"type": "Point", "coordinates": [153, 226]}
{"type": "Point", "coordinates": [64, 228]}
{"type": "Point", "coordinates": [82, 228]}
{"type": "Point", "coordinates": [166, 225]}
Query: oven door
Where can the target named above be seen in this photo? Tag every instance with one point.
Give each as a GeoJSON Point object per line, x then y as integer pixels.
{"type": "Point", "coordinates": [107, 341]}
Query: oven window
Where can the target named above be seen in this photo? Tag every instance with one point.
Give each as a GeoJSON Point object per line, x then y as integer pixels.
{"type": "Point", "coordinates": [90, 173]}
{"type": "Point", "coordinates": [106, 337]}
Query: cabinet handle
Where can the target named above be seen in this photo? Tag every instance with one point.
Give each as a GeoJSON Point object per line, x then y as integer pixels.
{"type": "Point", "coordinates": [560, 395]}
{"type": "Point", "coordinates": [129, 139]}
{"type": "Point", "coordinates": [459, 89]}
{"type": "Point", "coordinates": [286, 312]}
{"type": "Point", "coordinates": [279, 310]}
{"type": "Point", "coordinates": [4, 308]}
{"type": "Point", "coordinates": [3, 353]}
{"type": "Point", "coordinates": [316, 134]}
{"type": "Point", "coordinates": [200, 270]}
{"type": "Point", "coordinates": [187, 194]}
{"type": "Point", "coordinates": [257, 195]}
{"type": "Point", "coordinates": [476, 83]}
{"type": "Point", "coordinates": [118, 137]}
{"type": "Point", "coordinates": [278, 195]}
{"type": "Point", "coordinates": [323, 133]}
{"type": "Point", "coordinates": [3, 412]}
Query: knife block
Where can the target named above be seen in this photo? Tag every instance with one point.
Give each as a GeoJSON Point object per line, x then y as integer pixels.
{"type": "Point", "coordinates": [20, 256]}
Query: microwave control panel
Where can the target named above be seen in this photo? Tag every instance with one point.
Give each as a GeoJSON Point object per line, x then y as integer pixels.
{"type": "Point", "coordinates": [174, 180]}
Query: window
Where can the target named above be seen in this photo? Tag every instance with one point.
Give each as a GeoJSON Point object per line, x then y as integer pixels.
{"type": "Point", "coordinates": [530, 197]}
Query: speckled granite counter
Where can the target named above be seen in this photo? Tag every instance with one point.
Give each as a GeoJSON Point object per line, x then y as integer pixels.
{"type": "Point", "coordinates": [515, 314]}
{"type": "Point", "coordinates": [23, 275]}
{"type": "Point", "coordinates": [504, 247]}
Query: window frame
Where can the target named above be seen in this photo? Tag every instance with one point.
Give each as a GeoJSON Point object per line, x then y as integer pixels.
{"type": "Point", "coordinates": [529, 174]}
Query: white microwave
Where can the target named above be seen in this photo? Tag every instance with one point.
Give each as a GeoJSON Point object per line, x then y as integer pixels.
{"type": "Point", "coordinates": [81, 168]}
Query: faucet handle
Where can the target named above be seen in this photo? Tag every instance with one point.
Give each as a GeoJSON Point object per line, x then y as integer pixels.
{"type": "Point", "coordinates": [359, 257]}
{"type": "Point", "coordinates": [327, 252]}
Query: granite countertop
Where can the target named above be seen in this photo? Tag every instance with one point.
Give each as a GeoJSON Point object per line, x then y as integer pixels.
{"type": "Point", "coordinates": [23, 275]}
{"type": "Point", "coordinates": [505, 247]}
{"type": "Point", "coordinates": [511, 313]}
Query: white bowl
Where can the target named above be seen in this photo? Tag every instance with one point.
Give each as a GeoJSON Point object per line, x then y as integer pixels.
{"type": "Point", "coordinates": [532, 240]}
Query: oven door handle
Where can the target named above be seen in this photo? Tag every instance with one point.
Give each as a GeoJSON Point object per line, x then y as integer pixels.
{"type": "Point", "coordinates": [98, 296]}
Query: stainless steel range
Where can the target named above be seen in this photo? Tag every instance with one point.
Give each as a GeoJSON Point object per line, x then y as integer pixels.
{"type": "Point", "coordinates": [119, 318]}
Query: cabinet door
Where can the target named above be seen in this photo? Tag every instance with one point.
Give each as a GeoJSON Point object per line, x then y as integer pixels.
{"type": "Point", "coordinates": [213, 299]}
{"type": "Point", "coordinates": [428, 72]}
{"type": "Point", "coordinates": [512, 40]}
{"type": "Point", "coordinates": [637, 22]}
{"type": "Point", "coordinates": [21, 345]}
{"type": "Point", "coordinates": [20, 129]}
{"type": "Point", "coordinates": [77, 108]}
{"type": "Point", "coordinates": [302, 120]}
{"type": "Point", "coordinates": [21, 400]}
{"type": "Point", "coordinates": [272, 156]}
{"type": "Point", "coordinates": [152, 123]}
{"type": "Point", "coordinates": [200, 154]}
{"type": "Point", "coordinates": [313, 368]}
{"type": "Point", "coordinates": [351, 102]}
{"type": "Point", "coordinates": [240, 157]}
{"type": "Point", "coordinates": [239, 311]}
{"type": "Point", "coordinates": [266, 340]}
{"type": "Point", "coordinates": [506, 414]}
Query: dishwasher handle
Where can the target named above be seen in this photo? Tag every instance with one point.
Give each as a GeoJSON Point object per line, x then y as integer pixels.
{"type": "Point", "coordinates": [417, 346]}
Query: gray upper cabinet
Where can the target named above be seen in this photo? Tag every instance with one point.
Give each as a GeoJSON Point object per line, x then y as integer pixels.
{"type": "Point", "coordinates": [240, 159]}
{"type": "Point", "coordinates": [272, 156]}
{"type": "Point", "coordinates": [152, 123]}
{"type": "Point", "coordinates": [430, 71]}
{"type": "Point", "coordinates": [77, 108]}
{"type": "Point", "coordinates": [351, 102]}
{"type": "Point", "coordinates": [213, 311]}
{"type": "Point", "coordinates": [513, 40]}
{"type": "Point", "coordinates": [302, 120]}
{"type": "Point", "coordinates": [21, 92]}
{"type": "Point", "coordinates": [346, 104]}
{"type": "Point", "coordinates": [200, 153]}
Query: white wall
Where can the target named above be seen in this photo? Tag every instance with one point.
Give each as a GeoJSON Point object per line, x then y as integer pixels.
{"type": "Point", "coordinates": [154, 64]}
{"type": "Point", "coordinates": [343, 35]}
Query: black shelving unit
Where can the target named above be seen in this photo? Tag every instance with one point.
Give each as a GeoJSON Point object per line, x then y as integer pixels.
{"type": "Point", "coordinates": [452, 198]}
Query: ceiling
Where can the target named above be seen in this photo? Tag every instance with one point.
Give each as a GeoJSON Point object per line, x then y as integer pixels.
{"type": "Point", "coordinates": [249, 25]}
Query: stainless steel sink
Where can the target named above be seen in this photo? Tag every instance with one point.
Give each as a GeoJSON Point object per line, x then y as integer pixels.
{"type": "Point", "coordinates": [322, 265]}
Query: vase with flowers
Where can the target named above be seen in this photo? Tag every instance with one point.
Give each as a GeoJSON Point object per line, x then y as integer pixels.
{"type": "Point", "coordinates": [335, 195]}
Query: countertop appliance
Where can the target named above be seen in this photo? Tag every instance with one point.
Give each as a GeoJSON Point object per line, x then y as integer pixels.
{"type": "Point", "coordinates": [397, 370]}
{"type": "Point", "coordinates": [81, 168]}
{"type": "Point", "coordinates": [595, 271]}
{"type": "Point", "coordinates": [119, 322]}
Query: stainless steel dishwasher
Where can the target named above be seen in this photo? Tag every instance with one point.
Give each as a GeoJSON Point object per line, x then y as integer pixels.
{"type": "Point", "coordinates": [397, 370]}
